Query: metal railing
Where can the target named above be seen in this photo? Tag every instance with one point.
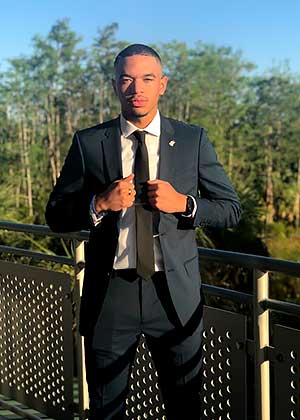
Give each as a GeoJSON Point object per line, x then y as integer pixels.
{"type": "Point", "coordinates": [260, 301]}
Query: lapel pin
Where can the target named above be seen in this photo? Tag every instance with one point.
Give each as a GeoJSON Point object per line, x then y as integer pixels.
{"type": "Point", "coordinates": [172, 143]}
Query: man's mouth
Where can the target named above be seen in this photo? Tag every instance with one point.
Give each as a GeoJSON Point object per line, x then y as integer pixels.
{"type": "Point", "coordinates": [137, 102]}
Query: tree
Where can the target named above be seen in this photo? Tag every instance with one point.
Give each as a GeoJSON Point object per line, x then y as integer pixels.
{"type": "Point", "coordinates": [100, 71]}
{"type": "Point", "coordinates": [57, 71]}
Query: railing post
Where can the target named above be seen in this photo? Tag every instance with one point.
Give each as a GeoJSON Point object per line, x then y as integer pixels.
{"type": "Point", "coordinates": [261, 337]}
{"type": "Point", "coordinates": [82, 385]}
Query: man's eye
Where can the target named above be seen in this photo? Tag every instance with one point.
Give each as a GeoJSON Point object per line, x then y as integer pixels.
{"type": "Point", "coordinates": [148, 79]}
{"type": "Point", "coordinates": [125, 81]}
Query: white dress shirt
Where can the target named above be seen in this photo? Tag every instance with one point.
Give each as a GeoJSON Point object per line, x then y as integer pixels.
{"type": "Point", "coordinates": [126, 250]}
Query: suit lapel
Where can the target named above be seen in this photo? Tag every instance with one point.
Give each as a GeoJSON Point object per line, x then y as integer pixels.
{"type": "Point", "coordinates": [111, 144]}
{"type": "Point", "coordinates": [167, 164]}
{"type": "Point", "coordinates": [112, 151]}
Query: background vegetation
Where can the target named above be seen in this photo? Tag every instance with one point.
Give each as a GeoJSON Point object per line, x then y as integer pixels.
{"type": "Point", "coordinates": [253, 120]}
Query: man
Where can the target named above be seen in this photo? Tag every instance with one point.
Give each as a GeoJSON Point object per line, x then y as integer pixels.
{"type": "Point", "coordinates": [142, 183]}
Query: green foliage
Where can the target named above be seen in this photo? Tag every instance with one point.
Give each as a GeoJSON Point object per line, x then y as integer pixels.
{"type": "Point", "coordinates": [8, 208]}
{"type": "Point", "coordinates": [253, 122]}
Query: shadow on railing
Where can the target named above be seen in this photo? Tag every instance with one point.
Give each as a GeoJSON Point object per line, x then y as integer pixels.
{"type": "Point", "coordinates": [38, 312]}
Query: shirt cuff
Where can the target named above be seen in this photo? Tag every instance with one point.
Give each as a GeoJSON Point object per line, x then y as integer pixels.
{"type": "Point", "coordinates": [95, 216]}
{"type": "Point", "coordinates": [195, 208]}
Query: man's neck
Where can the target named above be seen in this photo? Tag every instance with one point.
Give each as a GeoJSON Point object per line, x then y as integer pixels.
{"type": "Point", "coordinates": [153, 128]}
{"type": "Point", "coordinates": [142, 121]}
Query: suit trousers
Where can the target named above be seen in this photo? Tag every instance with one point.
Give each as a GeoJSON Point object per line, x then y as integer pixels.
{"type": "Point", "coordinates": [133, 306]}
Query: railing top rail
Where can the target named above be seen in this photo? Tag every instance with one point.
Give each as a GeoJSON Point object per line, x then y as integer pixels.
{"type": "Point", "coordinates": [41, 230]}
{"type": "Point", "coordinates": [227, 257]}
{"type": "Point", "coordinates": [251, 261]}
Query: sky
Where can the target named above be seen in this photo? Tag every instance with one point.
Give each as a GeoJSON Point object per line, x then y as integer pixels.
{"type": "Point", "coordinates": [266, 31]}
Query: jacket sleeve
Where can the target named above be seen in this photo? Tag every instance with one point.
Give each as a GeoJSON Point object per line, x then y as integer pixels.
{"type": "Point", "coordinates": [68, 207]}
{"type": "Point", "coordinates": [218, 205]}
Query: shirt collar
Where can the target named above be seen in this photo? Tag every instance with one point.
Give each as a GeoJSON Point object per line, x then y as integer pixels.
{"type": "Point", "coordinates": [153, 128]}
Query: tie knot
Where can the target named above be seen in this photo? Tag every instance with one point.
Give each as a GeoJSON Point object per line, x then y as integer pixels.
{"type": "Point", "coordinates": [140, 136]}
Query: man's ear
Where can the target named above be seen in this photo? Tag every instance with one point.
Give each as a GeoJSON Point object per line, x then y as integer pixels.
{"type": "Point", "coordinates": [163, 85]}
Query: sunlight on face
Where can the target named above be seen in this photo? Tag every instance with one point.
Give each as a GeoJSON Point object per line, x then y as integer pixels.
{"type": "Point", "coordinates": [139, 83]}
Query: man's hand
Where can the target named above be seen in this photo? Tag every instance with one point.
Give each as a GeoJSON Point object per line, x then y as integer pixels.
{"type": "Point", "coordinates": [118, 196]}
{"type": "Point", "coordinates": [162, 196]}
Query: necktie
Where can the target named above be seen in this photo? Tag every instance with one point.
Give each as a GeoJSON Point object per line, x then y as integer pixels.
{"type": "Point", "coordinates": [144, 221]}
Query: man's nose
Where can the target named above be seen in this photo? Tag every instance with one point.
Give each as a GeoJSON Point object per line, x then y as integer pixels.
{"type": "Point", "coordinates": [137, 85]}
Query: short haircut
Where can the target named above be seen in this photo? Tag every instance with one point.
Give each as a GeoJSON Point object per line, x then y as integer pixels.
{"type": "Point", "coordinates": [136, 49]}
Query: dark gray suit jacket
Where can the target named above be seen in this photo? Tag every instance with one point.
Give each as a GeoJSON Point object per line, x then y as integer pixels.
{"type": "Point", "coordinates": [189, 163]}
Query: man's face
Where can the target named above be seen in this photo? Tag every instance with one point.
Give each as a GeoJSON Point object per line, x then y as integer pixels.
{"type": "Point", "coordinates": [138, 84]}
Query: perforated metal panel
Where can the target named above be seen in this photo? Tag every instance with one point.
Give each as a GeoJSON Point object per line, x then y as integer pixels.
{"type": "Point", "coordinates": [224, 365]}
{"type": "Point", "coordinates": [36, 358]}
{"type": "Point", "coordinates": [224, 373]}
{"type": "Point", "coordinates": [287, 373]}
{"type": "Point", "coordinates": [144, 400]}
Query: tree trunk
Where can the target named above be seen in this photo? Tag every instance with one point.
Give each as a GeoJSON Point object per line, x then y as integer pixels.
{"type": "Point", "coordinates": [230, 158]}
{"type": "Point", "coordinates": [296, 208]}
{"type": "Point", "coordinates": [69, 125]}
{"type": "Point", "coordinates": [21, 187]}
{"type": "Point", "coordinates": [269, 182]}
{"type": "Point", "coordinates": [51, 137]}
{"type": "Point", "coordinates": [57, 143]}
{"type": "Point", "coordinates": [27, 169]}
{"type": "Point", "coordinates": [187, 111]}
{"type": "Point", "coordinates": [18, 189]}
{"type": "Point", "coordinates": [101, 101]}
